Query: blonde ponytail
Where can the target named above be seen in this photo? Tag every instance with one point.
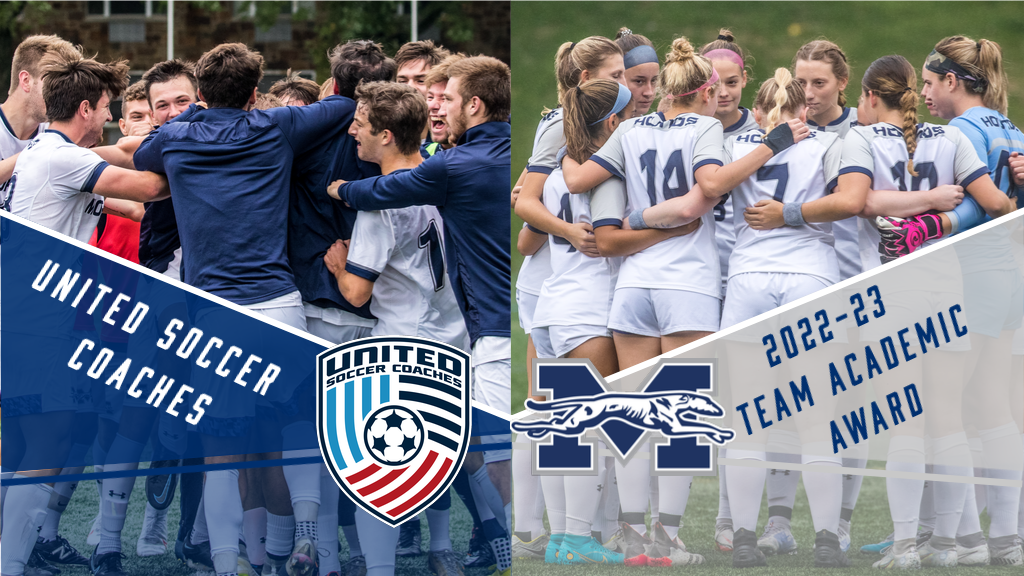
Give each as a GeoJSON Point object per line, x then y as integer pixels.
{"type": "Point", "coordinates": [779, 95]}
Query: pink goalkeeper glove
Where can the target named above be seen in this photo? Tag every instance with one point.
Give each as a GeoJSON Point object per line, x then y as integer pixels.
{"type": "Point", "coordinates": [901, 236]}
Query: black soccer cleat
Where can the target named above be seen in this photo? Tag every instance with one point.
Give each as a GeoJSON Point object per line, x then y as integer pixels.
{"type": "Point", "coordinates": [36, 566]}
{"type": "Point", "coordinates": [827, 553]}
{"type": "Point", "coordinates": [160, 488]}
{"type": "Point", "coordinates": [409, 539]}
{"type": "Point", "coordinates": [744, 550]}
{"type": "Point", "coordinates": [60, 551]}
{"type": "Point", "coordinates": [108, 564]}
{"type": "Point", "coordinates": [480, 554]}
{"type": "Point", "coordinates": [194, 556]}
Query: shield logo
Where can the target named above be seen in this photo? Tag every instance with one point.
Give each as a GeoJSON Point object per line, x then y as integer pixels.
{"type": "Point", "coordinates": [394, 421]}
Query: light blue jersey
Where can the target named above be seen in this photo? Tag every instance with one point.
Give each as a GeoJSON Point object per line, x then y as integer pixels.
{"type": "Point", "coordinates": [994, 138]}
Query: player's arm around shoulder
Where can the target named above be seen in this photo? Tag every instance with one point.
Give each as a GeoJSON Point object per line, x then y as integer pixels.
{"type": "Point", "coordinates": [117, 182]}
{"type": "Point", "coordinates": [133, 211]}
{"type": "Point", "coordinates": [424, 185]}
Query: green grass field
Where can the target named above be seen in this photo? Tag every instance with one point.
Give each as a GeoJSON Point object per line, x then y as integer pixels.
{"type": "Point", "coordinates": [770, 31]}
{"type": "Point", "coordinates": [870, 524]}
{"type": "Point", "coordinates": [77, 520]}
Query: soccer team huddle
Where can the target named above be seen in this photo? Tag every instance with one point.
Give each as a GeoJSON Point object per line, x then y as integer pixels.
{"type": "Point", "coordinates": [646, 230]}
{"type": "Point", "coordinates": [369, 205]}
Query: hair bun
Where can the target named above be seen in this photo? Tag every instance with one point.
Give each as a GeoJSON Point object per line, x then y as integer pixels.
{"type": "Point", "coordinates": [681, 50]}
{"type": "Point", "coordinates": [726, 35]}
{"type": "Point", "coordinates": [623, 32]}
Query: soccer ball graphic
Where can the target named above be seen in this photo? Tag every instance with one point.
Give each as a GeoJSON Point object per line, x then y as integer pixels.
{"type": "Point", "coordinates": [393, 435]}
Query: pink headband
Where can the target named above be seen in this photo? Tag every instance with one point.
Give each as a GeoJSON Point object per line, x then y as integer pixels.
{"type": "Point", "coordinates": [711, 82]}
{"type": "Point", "coordinates": [725, 54]}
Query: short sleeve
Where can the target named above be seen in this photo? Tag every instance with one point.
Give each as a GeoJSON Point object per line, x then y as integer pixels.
{"type": "Point", "coordinates": [545, 150]}
{"type": "Point", "coordinates": [967, 166]}
{"type": "Point", "coordinates": [973, 133]}
{"type": "Point", "coordinates": [833, 158]}
{"type": "Point", "coordinates": [611, 156]}
{"type": "Point", "coordinates": [75, 170]}
{"type": "Point", "coordinates": [373, 240]}
{"type": "Point", "coordinates": [709, 146]}
{"type": "Point", "coordinates": [856, 155]}
{"type": "Point", "coordinates": [727, 148]}
{"type": "Point", "coordinates": [608, 203]}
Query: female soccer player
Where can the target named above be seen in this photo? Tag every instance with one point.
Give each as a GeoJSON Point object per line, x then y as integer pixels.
{"type": "Point", "coordinates": [964, 82]}
{"type": "Point", "coordinates": [669, 294]}
{"type": "Point", "coordinates": [575, 62]}
{"type": "Point", "coordinates": [641, 63]}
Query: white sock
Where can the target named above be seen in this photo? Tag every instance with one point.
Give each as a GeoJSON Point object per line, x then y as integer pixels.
{"type": "Point", "coordinates": [303, 480]}
{"type": "Point", "coordinates": [439, 522]}
{"type": "Point", "coordinates": [654, 499]}
{"type": "Point", "coordinates": [114, 507]}
{"type": "Point", "coordinates": [23, 516]}
{"type": "Point", "coordinates": [675, 493]}
{"type": "Point", "coordinates": [327, 523]}
{"type": "Point", "coordinates": [554, 499]}
{"type": "Point", "coordinates": [62, 492]}
{"type": "Point", "coordinates": [200, 533]}
{"type": "Point", "coordinates": [1004, 457]}
{"type": "Point", "coordinates": [978, 461]}
{"type": "Point", "coordinates": [380, 558]}
{"type": "Point", "coordinates": [1020, 506]}
{"type": "Point", "coordinates": [489, 494]}
{"type": "Point", "coordinates": [634, 481]}
{"type": "Point", "coordinates": [352, 537]}
{"type": "Point", "coordinates": [254, 527]}
{"type": "Point", "coordinates": [824, 489]}
{"type": "Point", "coordinates": [951, 456]}
{"type": "Point", "coordinates": [611, 504]}
{"type": "Point", "coordinates": [745, 486]}
{"type": "Point", "coordinates": [526, 488]}
{"type": "Point", "coordinates": [783, 446]}
{"type": "Point", "coordinates": [280, 530]}
{"type": "Point", "coordinates": [906, 454]}
{"type": "Point", "coordinates": [223, 517]}
{"type": "Point", "coordinates": [852, 482]}
{"type": "Point", "coordinates": [724, 513]}
{"type": "Point", "coordinates": [581, 502]}
{"type": "Point", "coordinates": [927, 512]}
{"type": "Point", "coordinates": [970, 522]}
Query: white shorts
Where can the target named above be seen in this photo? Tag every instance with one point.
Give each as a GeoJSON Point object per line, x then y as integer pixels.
{"type": "Point", "coordinates": [174, 266]}
{"type": "Point", "coordinates": [492, 385]}
{"type": "Point", "coordinates": [526, 303]}
{"type": "Point", "coordinates": [565, 339]}
{"type": "Point", "coordinates": [286, 309]}
{"type": "Point", "coordinates": [754, 293]}
{"type": "Point", "coordinates": [904, 309]}
{"type": "Point", "coordinates": [656, 312]}
{"type": "Point", "coordinates": [994, 300]}
{"type": "Point", "coordinates": [336, 325]}
{"type": "Point", "coordinates": [1018, 342]}
{"type": "Point", "coordinates": [542, 342]}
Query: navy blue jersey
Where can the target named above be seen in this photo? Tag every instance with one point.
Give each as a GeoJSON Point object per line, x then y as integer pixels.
{"type": "Point", "coordinates": [315, 221]}
{"type": "Point", "coordinates": [158, 235]}
{"type": "Point", "coordinates": [230, 173]}
{"type": "Point", "coordinates": [469, 185]}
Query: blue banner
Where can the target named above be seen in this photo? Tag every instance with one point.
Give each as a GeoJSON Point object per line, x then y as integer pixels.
{"type": "Point", "coordinates": [93, 345]}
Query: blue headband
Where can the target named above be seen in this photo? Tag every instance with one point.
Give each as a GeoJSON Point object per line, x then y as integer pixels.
{"type": "Point", "coordinates": [642, 54]}
{"type": "Point", "coordinates": [620, 102]}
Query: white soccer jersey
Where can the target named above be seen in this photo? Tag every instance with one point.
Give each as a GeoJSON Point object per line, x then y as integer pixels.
{"type": "Point", "coordinates": [657, 158]}
{"type": "Point", "coordinates": [9, 146]}
{"type": "Point", "coordinates": [402, 251]}
{"type": "Point", "coordinates": [535, 270]}
{"type": "Point", "coordinates": [943, 156]}
{"type": "Point", "coordinates": [845, 231]}
{"type": "Point", "coordinates": [802, 173]}
{"type": "Point", "coordinates": [52, 185]}
{"type": "Point", "coordinates": [580, 288]}
{"type": "Point", "coordinates": [725, 230]}
{"type": "Point", "coordinates": [546, 143]}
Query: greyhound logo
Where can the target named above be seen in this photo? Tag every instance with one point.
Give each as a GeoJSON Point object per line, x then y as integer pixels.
{"type": "Point", "coordinates": [664, 412]}
{"type": "Point", "coordinates": [671, 408]}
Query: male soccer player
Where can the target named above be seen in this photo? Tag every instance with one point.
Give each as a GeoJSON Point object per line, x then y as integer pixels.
{"type": "Point", "coordinates": [414, 61]}
{"type": "Point", "coordinates": [398, 256]}
{"type": "Point", "coordinates": [225, 160]}
{"type": "Point", "coordinates": [436, 81]}
{"type": "Point", "coordinates": [461, 183]}
{"type": "Point", "coordinates": [60, 184]}
{"type": "Point", "coordinates": [23, 114]}
{"type": "Point", "coordinates": [294, 90]}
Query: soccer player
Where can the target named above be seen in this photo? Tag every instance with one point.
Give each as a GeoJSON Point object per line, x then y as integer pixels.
{"type": "Point", "coordinates": [398, 255]}
{"type": "Point", "coordinates": [61, 185]}
{"type": "Point", "coordinates": [414, 61]}
{"type": "Point", "coordinates": [243, 260]}
{"type": "Point", "coordinates": [461, 183]}
{"type": "Point", "coordinates": [294, 90]}
{"type": "Point", "coordinates": [642, 66]}
{"type": "Point", "coordinates": [437, 80]}
{"type": "Point", "coordinates": [23, 114]}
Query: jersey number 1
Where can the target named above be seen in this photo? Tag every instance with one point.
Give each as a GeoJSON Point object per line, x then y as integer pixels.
{"type": "Point", "coordinates": [431, 240]}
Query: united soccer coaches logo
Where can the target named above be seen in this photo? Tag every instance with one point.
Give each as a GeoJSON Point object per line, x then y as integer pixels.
{"type": "Point", "coordinates": [394, 418]}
